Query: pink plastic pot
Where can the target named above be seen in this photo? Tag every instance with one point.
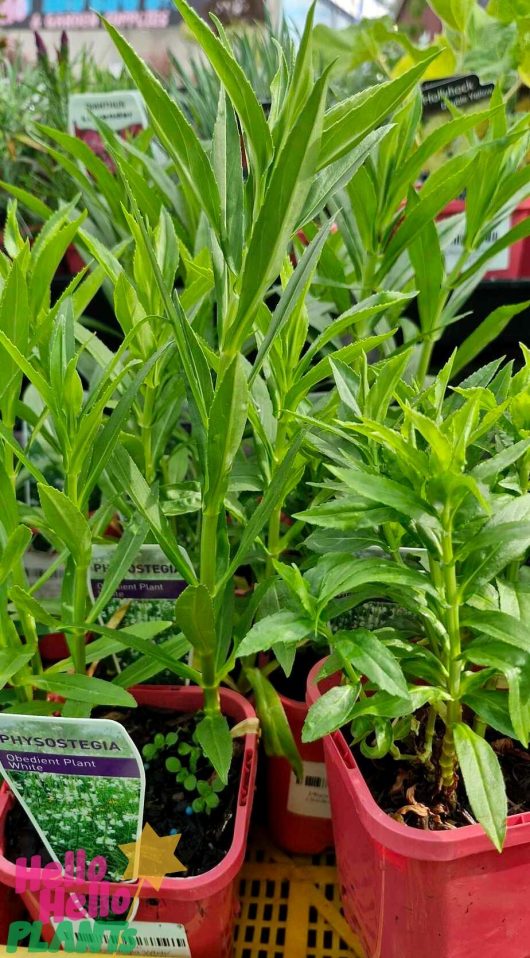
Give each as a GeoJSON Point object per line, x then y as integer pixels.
{"type": "Point", "coordinates": [291, 824]}
{"type": "Point", "coordinates": [74, 261]}
{"type": "Point", "coordinates": [517, 264]}
{"type": "Point", "coordinates": [53, 647]}
{"type": "Point", "coordinates": [427, 894]}
{"type": "Point", "coordinates": [11, 905]}
{"type": "Point", "coordinates": [205, 905]}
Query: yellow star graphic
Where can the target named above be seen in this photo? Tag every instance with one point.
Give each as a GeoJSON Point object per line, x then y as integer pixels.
{"type": "Point", "coordinates": [152, 857]}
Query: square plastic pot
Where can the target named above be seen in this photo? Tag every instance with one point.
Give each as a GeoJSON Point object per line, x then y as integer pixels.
{"type": "Point", "coordinates": [301, 834]}
{"type": "Point", "coordinates": [206, 904]}
{"type": "Point", "coordinates": [414, 894]}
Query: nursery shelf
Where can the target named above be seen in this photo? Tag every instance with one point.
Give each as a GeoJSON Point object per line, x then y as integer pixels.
{"type": "Point", "coordinates": [290, 906]}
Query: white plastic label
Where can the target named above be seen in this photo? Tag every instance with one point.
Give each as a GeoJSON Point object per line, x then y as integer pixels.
{"type": "Point", "coordinates": [80, 781]}
{"type": "Point", "coordinates": [160, 938]}
{"type": "Point", "coordinates": [122, 110]}
{"type": "Point", "coordinates": [499, 262]}
{"type": "Point", "coordinates": [310, 796]}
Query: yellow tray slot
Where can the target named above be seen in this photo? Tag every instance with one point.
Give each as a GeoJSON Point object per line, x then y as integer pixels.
{"type": "Point", "coordinates": [290, 906]}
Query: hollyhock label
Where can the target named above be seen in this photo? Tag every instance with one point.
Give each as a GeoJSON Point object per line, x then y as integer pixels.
{"type": "Point", "coordinates": [81, 782]}
{"type": "Point", "coordinates": [462, 91]}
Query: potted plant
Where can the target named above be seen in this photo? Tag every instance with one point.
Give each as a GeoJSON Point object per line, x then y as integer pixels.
{"type": "Point", "coordinates": [233, 264]}
{"type": "Point", "coordinates": [437, 713]}
{"type": "Point", "coordinates": [87, 429]}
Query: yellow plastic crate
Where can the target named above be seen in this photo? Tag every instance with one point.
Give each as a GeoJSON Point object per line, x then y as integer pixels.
{"type": "Point", "coordinates": [290, 907]}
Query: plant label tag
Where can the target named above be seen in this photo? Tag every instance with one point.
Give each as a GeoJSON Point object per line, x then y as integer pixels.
{"type": "Point", "coordinates": [463, 91]}
{"type": "Point", "coordinates": [160, 938]}
{"type": "Point", "coordinates": [123, 111]}
{"type": "Point", "coordinates": [81, 782]}
{"type": "Point", "coordinates": [310, 796]}
{"type": "Point", "coordinates": [150, 578]}
{"type": "Point", "coordinates": [146, 593]}
{"type": "Point", "coordinates": [501, 261]}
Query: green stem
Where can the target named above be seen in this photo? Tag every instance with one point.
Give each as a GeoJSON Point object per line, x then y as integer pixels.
{"type": "Point", "coordinates": [80, 600]}
{"type": "Point", "coordinates": [212, 699]}
{"type": "Point", "coordinates": [147, 433]}
{"type": "Point", "coordinates": [210, 520]}
{"type": "Point", "coordinates": [425, 360]}
{"type": "Point", "coordinates": [80, 589]}
{"type": "Point", "coordinates": [448, 760]}
{"type": "Point", "coordinates": [430, 727]}
{"type": "Point", "coordinates": [208, 577]}
{"type": "Point", "coordinates": [367, 288]}
{"type": "Point", "coordinates": [274, 543]}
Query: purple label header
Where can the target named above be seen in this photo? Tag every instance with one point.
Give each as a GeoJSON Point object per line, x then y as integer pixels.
{"type": "Point", "coordinates": [14, 761]}
{"type": "Point", "coordinates": [144, 588]}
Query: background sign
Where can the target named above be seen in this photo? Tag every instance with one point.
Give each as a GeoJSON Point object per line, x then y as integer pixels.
{"type": "Point", "coordinates": [124, 14]}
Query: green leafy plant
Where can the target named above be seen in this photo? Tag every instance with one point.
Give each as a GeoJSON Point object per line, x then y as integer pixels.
{"type": "Point", "coordinates": [389, 237]}
{"type": "Point", "coordinates": [40, 342]}
{"type": "Point", "coordinates": [424, 477]}
{"type": "Point", "coordinates": [259, 50]}
{"type": "Point", "coordinates": [296, 158]}
{"type": "Point", "coordinates": [492, 42]}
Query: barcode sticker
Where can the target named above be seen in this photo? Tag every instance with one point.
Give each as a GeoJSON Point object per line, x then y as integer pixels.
{"type": "Point", "coordinates": [160, 938]}
{"type": "Point", "coordinates": [149, 937]}
{"type": "Point", "coordinates": [310, 796]}
{"type": "Point", "coordinates": [499, 262]}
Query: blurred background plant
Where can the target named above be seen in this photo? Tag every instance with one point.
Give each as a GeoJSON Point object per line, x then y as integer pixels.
{"type": "Point", "coordinates": [258, 50]}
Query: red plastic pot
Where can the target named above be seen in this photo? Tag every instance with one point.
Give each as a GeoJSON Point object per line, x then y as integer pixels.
{"type": "Point", "coordinates": [53, 647]}
{"type": "Point", "coordinates": [11, 905]}
{"type": "Point", "coordinates": [514, 262]}
{"type": "Point", "coordinates": [407, 892]}
{"type": "Point", "coordinates": [299, 813]}
{"type": "Point", "coordinates": [205, 905]}
{"type": "Point", "coordinates": [74, 262]}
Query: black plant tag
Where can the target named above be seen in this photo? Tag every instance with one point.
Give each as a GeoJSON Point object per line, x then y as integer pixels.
{"type": "Point", "coordinates": [463, 91]}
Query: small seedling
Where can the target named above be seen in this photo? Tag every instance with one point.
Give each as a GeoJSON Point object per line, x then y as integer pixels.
{"type": "Point", "coordinates": [192, 771]}
{"type": "Point", "coordinates": [152, 750]}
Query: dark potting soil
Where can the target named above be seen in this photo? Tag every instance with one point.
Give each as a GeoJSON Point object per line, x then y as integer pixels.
{"type": "Point", "coordinates": [206, 838]}
{"type": "Point", "coordinates": [404, 791]}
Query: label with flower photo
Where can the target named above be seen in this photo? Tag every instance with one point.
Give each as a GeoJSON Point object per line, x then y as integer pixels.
{"type": "Point", "coordinates": [147, 593]}
{"type": "Point", "coordinates": [81, 782]}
